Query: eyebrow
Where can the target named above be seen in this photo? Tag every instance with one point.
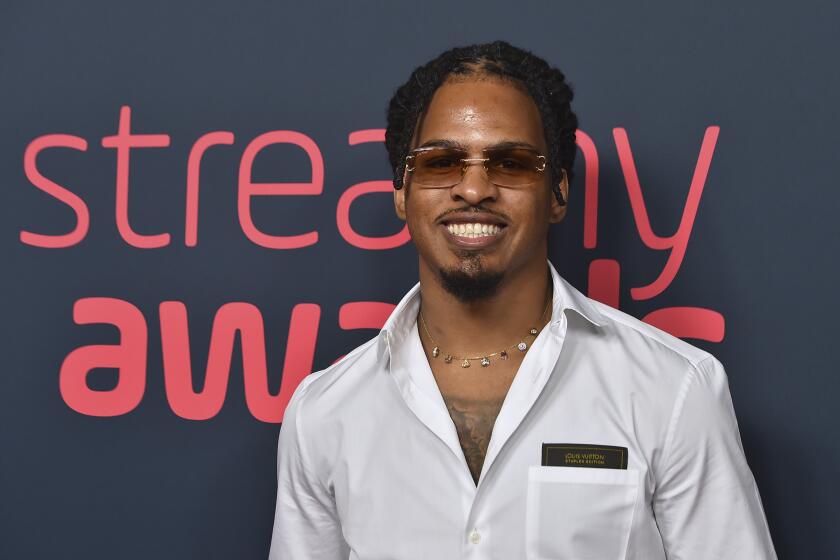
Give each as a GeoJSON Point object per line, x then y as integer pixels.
{"type": "Point", "coordinates": [501, 145]}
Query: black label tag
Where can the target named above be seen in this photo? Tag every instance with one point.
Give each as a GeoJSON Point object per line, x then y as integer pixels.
{"type": "Point", "coordinates": [584, 455]}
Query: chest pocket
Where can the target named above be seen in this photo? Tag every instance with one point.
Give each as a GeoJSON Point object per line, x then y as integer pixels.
{"type": "Point", "coordinates": [579, 513]}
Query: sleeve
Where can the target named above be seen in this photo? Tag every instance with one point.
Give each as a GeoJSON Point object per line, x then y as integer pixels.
{"type": "Point", "coordinates": [706, 502]}
{"type": "Point", "coordinates": [306, 523]}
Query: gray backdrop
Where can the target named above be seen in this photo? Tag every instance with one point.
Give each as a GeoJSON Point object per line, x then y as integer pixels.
{"type": "Point", "coordinates": [149, 484]}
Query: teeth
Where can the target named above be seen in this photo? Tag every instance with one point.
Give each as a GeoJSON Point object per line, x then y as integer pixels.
{"type": "Point", "coordinates": [473, 230]}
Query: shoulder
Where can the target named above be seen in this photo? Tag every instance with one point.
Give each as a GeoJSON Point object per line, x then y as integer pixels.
{"type": "Point", "coordinates": [681, 375]}
{"type": "Point", "coordinates": [339, 398]}
{"type": "Point", "coordinates": [633, 336]}
{"type": "Point", "coordinates": [337, 381]}
{"type": "Point", "coordinates": [653, 362]}
{"type": "Point", "coordinates": [624, 338]}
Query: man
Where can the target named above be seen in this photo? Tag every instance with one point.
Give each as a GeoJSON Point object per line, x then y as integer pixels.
{"type": "Point", "coordinates": [500, 413]}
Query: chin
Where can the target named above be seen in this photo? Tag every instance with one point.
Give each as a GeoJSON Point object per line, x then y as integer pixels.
{"type": "Point", "coordinates": [471, 281]}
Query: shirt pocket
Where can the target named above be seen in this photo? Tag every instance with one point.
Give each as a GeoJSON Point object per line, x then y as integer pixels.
{"type": "Point", "coordinates": [579, 513]}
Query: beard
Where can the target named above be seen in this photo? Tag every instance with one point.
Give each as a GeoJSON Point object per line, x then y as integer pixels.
{"type": "Point", "coordinates": [470, 282]}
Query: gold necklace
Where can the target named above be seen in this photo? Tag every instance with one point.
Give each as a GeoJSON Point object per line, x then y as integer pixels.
{"type": "Point", "coordinates": [485, 360]}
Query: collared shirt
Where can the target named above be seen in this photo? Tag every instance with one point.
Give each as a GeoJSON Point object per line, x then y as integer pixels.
{"type": "Point", "coordinates": [370, 466]}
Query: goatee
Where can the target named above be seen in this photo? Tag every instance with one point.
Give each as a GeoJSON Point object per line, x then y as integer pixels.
{"type": "Point", "coordinates": [469, 287]}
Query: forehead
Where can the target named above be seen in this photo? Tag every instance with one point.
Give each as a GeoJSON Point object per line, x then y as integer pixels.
{"type": "Point", "coordinates": [479, 112]}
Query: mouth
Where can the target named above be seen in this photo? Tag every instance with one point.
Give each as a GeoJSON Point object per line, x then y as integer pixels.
{"type": "Point", "coordinates": [473, 235]}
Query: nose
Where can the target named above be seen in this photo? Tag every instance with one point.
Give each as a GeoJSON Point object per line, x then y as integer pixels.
{"type": "Point", "coordinates": [475, 187]}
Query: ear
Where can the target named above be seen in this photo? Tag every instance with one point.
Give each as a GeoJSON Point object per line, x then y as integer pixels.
{"type": "Point", "coordinates": [399, 199]}
{"type": "Point", "coordinates": [558, 211]}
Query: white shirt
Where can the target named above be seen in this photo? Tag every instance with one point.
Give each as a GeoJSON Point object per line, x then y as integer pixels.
{"type": "Point", "coordinates": [370, 467]}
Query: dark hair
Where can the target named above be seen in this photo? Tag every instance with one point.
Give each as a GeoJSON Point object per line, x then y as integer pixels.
{"type": "Point", "coordinates": [545, 84]}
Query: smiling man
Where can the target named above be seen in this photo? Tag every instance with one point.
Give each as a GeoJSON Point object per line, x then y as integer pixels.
{"type": "Point", "coordinates": [500, 413]}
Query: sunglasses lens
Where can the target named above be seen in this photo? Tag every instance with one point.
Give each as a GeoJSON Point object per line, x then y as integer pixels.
{"type": "Point", "coordinates": [438, 168]}
{"type": "Point", "coordinates": [514, 167]}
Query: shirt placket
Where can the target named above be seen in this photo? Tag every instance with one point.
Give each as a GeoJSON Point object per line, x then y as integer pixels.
{"type": "Point", "coordinates": [530, 380]}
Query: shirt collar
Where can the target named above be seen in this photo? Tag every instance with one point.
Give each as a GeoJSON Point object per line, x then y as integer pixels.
{"type": "Point", "coordinates": [566, 297]}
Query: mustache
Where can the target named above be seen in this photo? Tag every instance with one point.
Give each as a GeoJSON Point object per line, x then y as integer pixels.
{"type": "Point", "coordinates": [474, 210]}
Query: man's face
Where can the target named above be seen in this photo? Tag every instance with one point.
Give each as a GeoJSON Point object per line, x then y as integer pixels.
{"type": "Point", "coordinates": [478, 113]}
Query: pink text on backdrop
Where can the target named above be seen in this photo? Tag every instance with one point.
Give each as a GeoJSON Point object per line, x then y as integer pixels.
{"type": "Point", "coordinates": [129, 357]}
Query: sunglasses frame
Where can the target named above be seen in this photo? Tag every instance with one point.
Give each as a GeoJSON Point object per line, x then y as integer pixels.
{"type": "Point", "coordinates": [465, 162]}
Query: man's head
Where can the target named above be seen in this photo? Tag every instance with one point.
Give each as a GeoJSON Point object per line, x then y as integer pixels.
{"type": "Point", "coordinates": [476, 98]}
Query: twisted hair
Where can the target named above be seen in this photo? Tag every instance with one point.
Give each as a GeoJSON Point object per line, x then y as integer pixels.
{"type": "Point", "coordinates": [546, 85]}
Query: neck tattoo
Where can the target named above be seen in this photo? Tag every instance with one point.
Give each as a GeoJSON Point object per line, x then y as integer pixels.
{"type": "Point", "coordinates": [522, 346]}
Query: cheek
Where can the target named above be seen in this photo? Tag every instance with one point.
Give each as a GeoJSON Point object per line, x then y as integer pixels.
{"type": "Point", "coordinates": [420, 215]}
{"type": "Point", "coordinates": [422, 208]}
{"type": "Point", "coordinates": [530, 207]}
{"type": "Point", "coordinates": [532, 213]}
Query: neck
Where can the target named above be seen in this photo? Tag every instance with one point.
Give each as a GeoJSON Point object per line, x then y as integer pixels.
{"type": "Point", "coordinates": [487, 325]}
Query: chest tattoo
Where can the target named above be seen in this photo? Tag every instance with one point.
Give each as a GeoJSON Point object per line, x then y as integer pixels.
{"type": "Point", "coordinates": [474, 422]}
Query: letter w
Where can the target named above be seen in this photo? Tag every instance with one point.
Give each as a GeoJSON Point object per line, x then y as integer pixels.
{"type": "Point", "coordinates": [232, 318]}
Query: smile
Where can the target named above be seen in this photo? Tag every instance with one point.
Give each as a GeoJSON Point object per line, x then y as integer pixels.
{"type": "Point", "coordinates": [473, 235]}
{"type": "Point", "coordinates": [473, 230]}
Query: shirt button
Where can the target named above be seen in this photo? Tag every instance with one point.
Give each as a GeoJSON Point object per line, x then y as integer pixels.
{"type": "Point", "coordinates": [475, 537]}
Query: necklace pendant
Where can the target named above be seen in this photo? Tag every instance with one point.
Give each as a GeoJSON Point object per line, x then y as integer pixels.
{"type": "Point", "coordinates": [435, 352]}
{"type": "Point", "coordinates": [503, 355]}
{"type": "Point", "coordinates": [485, 361]}
{"type": "Point", "coordinates": [534, 332]}
{"type": "Point", "coordinates": [448, 358]}
{"type": "Point", "coordinates": [522, 346]}
{"type": "Point", "coordinates": [465, 363]}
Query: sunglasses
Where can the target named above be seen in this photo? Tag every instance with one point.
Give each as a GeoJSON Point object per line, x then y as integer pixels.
{"type": "Point", "coordinates": [438, 167]}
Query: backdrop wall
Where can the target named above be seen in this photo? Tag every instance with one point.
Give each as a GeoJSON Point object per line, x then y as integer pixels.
{"type": "Point", "coordinates": [199, 190]}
